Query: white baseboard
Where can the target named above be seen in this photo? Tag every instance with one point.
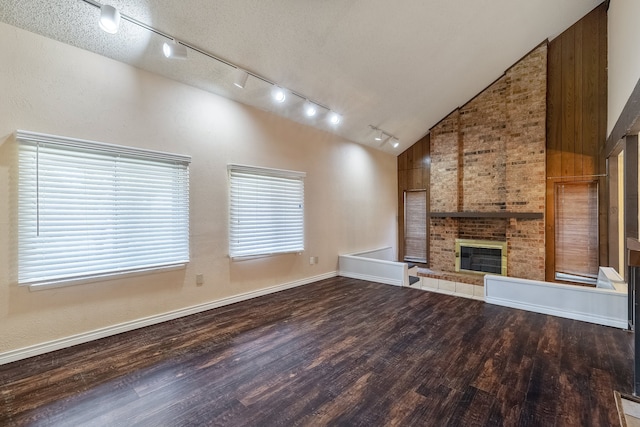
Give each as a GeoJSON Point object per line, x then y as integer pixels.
{"type": "Point", "coordinates": [368, 278]}
{"type": "Point", "coordinates": [37, 349]}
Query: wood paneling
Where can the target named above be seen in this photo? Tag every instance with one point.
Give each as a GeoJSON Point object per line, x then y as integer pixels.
{"type": "Point", "coordinates": [413, 174]}
{"type": "Point", "coordinates": [631, 187]}
{"type": "Point", "coordinates": [337, 352]}
{"type": "Point", "coordinates": [576, 119]}
{"type": "Point", "coordinates": [554, 108]}
{"type": "Point", "coordinates": [614, 206]}
{"type": "Point", "coordinates": [568, 103]}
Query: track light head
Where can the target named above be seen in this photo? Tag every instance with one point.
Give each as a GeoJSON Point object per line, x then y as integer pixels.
{"type": "Point", "coordinates": [109, 19]}
{"type": "Point", "coordinates": [241, 78]}
{"type": "Point", "coordinates": [279, 94]}
{"type": "Point", "coordinates": [174, 50]}
{"type": "Point", "coordinates": [379, 135]}
{"type": "Point", "coordinates": [310, 109]}
{"type": "Point", "coordinates": [394, 142]}
{"type": "Point", "coordinates": [334, 118]}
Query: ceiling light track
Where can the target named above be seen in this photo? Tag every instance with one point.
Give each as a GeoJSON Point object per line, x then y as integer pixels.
{"type": "Point", "coordinates": [334, 119]}
{"type": "Point", "coordinates": [384, 136]}
{"type": "Point", "coordinates": [131, 19]}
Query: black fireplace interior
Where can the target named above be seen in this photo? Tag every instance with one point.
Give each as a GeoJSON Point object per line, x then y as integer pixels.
{"type": "Point", "coordinates": [487, 260]}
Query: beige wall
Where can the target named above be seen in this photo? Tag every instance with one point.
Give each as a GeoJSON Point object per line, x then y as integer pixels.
{"type": "Point", "coordinates": [53, 88]}
{"type": "Point", "coordinates": [624, 55]}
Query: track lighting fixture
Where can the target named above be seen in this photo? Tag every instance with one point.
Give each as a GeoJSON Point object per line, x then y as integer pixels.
{"type": "Point", "coordinates": [174, 50]}
{"type": "Point", "coordinates": [380, 135]}
{"type": "Point", "coordinates": [241, 78]}
{"type": "Point", "coordinates": [109, 19]}
{"type": "Point", "coordinates": [310, 109]}
{"type": "Point", "coordinates": [279, 94]}
{"type": "Point", "coordinates": [334, 118]}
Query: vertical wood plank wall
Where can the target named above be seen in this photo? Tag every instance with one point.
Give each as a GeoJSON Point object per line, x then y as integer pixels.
{"type": "Point", "coordinates": [413, 174]}
{"type": "Point", "coordinates": [577, 119]}
{"type": "Point", "coordinates": [613, 214]}
{"type": "Point", "coordinates": [631, 187]}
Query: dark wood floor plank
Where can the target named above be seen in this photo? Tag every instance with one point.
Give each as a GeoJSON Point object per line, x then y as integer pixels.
{"type": "Point", "coordinates": [542, 402]}
{"type": "Point", "coordinates": [337, 352]}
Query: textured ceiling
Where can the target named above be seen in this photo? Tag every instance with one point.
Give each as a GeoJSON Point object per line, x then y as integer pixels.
{"type": "Point", "coordinates": [401, 66]}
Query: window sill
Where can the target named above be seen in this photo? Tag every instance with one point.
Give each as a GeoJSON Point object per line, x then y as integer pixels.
{"type": "Point", "coordinates": [53, 284]}
{"type": "Point", "coordinates": [235, 258]}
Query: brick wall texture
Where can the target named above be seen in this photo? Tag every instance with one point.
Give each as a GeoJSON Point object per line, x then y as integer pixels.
{"type": "Point", "coordinates": [489, 156]}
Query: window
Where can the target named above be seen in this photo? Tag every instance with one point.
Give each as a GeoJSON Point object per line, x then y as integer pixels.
{"type": "Point", "coordinates": [415, 226]}
{"type": "Point", "coordinates": [576, 254]}
{"type": "Point", "coordinates": [266, 211]}
{"type": "Point", "coordinates": [91, 210]}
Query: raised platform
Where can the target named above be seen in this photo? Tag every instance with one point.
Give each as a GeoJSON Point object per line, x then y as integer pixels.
{"type": "Point", "coordinates": [448, 284]}
{"type": "Point", "coordinates": [469, 278]}
{"type": "Point", "coordinates": [376, 265]}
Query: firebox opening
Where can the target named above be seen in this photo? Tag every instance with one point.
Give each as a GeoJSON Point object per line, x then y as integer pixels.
{"type": "Point", "coordinates": [481, 256]}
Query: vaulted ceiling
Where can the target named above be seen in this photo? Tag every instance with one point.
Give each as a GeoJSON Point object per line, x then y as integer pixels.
{"type": "Point", "coordinates": [399, 66]}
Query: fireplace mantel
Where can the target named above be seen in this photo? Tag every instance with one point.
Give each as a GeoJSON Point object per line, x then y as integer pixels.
{"type": "Point", "coordinates": [503, 214]}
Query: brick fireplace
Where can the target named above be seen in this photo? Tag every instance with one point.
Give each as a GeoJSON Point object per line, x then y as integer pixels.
{"type": "Point", "coordinates": [487, 173]}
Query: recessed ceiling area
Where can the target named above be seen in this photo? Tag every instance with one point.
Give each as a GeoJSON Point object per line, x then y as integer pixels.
{"type": "Point", "coordinates": [395, 66]}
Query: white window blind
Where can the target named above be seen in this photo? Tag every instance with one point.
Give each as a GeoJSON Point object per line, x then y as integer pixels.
{"type": "Point", "coordinates": [266, 211]}
{"type": "Point", "coordinates": [576, 237]}
{"type": "Point", "coordinates": [415, 226]}
{"type": "Point", "coordinates": [89, 209]}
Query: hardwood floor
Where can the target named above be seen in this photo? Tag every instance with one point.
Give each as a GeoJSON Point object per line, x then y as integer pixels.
{"type": "Point", "coordinates": [336, 352]}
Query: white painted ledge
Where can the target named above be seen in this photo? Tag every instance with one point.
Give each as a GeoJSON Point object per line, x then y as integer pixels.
{"type": "Point", "coordinates": [34, 350]}
{"type": "Point", "coordinates": [595, 305]}
{"type": "Point", "coordinates": [374, 266]}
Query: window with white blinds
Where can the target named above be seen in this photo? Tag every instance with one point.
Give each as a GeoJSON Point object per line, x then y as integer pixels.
{"type": "Point", "coordinates": [415, 226]}
{"type": "Point", "coordinates": [90, 210]}
{"type": "Point", "coordinates": [266, 211]}
{"type": "Point", "coordinates": [576, 234]}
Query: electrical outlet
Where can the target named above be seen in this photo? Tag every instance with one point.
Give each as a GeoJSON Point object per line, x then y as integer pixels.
{"type": "Point", "coordinates": [313, 260]}
{"type": "Point", "coordinates": [199, 279]}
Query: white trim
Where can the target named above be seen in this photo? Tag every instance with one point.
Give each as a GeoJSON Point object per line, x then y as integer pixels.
{"type": "Point", "coordinates": [43, 138]}
{"type": "Point", "coordinates": [368, 278]}
{"type": "Point", "coordinates": [53, 284]}
{"type": "Point", "coordinates": [258, 170]}
{"type": "Point", "coordinates": [386, 254]}
{"type": "Point", "coordinates": [37, 349]}
{"type": "Point", "coordinates": [595, 305]}
{"type": "Point", "coordinates": [567, 314]}
{"type": "Point", "coordinates": [374, 266]}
